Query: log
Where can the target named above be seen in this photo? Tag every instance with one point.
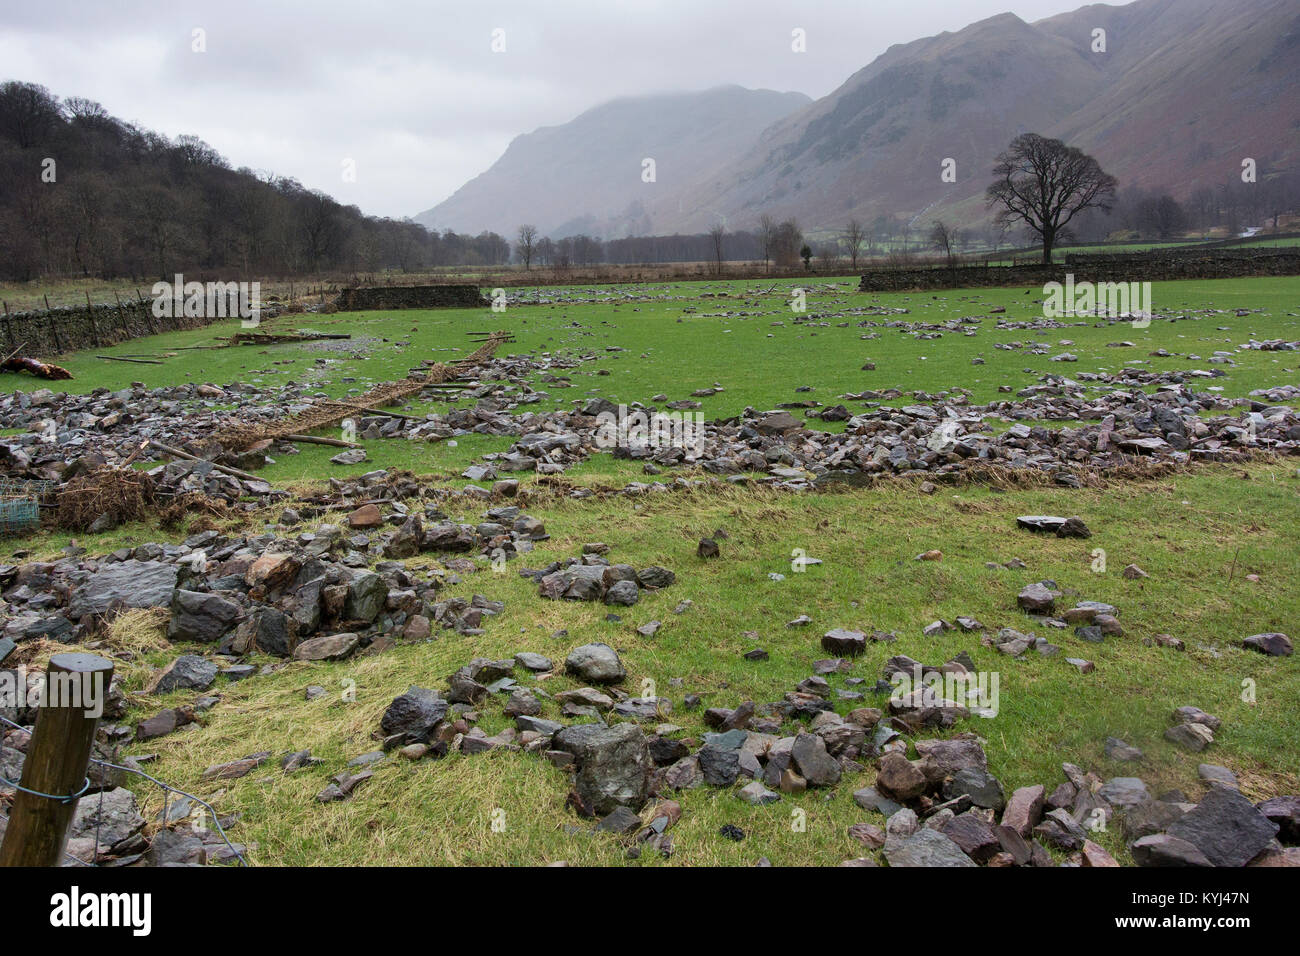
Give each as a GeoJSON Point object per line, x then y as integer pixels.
{"type": "Point", "coordinates": [224, 469]}
{"type": "Point", "coordinates": [116, 358]}
{"type": "Point", "coordinates": [317, 440]}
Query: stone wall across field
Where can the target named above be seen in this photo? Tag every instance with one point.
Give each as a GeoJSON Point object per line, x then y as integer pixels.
{"type": "Point", "coordinates": [1155, 266]}
{"type": "Point", "coordinates": [368, 298]}
{"type": "Point", "coordinates": [41, 334]}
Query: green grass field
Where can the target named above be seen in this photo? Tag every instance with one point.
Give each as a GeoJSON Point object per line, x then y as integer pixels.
{"type": "Point", "coordinates": [1198, 534]}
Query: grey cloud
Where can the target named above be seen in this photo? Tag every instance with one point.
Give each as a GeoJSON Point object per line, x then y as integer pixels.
{"type": "Point", "coordinates": [412, 90]}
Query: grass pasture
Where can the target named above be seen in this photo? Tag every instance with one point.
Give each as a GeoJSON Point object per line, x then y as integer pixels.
{"type": "Point", "coordinates": [1198, 533]}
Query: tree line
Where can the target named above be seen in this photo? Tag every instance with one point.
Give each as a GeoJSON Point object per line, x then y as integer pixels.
{"type": "Point", "coordinates": [85, 193]}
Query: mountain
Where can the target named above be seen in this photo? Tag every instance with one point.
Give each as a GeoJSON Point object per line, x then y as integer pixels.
{"type": "Point", "coordinates": [586, 175]}
{"type": "Point", "coordinates": [1184, 90]}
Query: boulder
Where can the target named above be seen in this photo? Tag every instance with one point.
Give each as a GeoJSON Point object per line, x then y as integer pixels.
{"type": "Point", "coordinates": [597, 663]}
{"type": "Point", "coordinates": [201, 618]}
{"type": "Point", "coordinates": [329, 647]}
{"type": "Point", "coordinates": [416, 715]}
{"type": "Point", "coordinates": [129, 584]}
{"type": "Point", "coordinates": [809, 756]}
{"type": "Point", "coordinates": [613, 768]}
{"type": "Point", "coordinates": [187, 672]}
{"type": "Point", "coordinates": [928, 848]}
{"type": "Point", "coordinates": [1226, 827]}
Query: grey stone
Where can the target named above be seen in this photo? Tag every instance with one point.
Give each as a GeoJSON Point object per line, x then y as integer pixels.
{"type": "Point", "coordinates": [928, 848]}
{"type": "Point", "coordinates": [1226, 827]}
{"type": "Point", "coordinates": [202, 618]}
{"type": "Point", "coordinates": [597, 663]}
{"type": "Point", "coordinates": [187, 672]}
{"type": "Point", "coordinates": [130, 584]}
{"type": "Point", "coordinates": [415, 715]}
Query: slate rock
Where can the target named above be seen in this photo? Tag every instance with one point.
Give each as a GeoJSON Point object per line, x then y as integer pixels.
{"type": "Point", "coordinates": [813, 762]}
{"type": "Point", "coordinates": [187, 672]}
{"type": "Point", "coordinates": [1285, 812]}
{"type": "Point", "coordinates": [533, 662]}
{"type": "Point", "coordinates": [928, 848]}
{"type": "Point", "coordinates": [1124, 792]}
{"type": "Point", "coordinates": [844, 642]}
{"type": "Point", "coordinates": [1024, 809]}
{"type": "Point", "coordinates": [329, 647]}
{"type": "Point", "coordinates": [415, 715]}
{"type": "Point", "coordinates": [899, 778]}
{"type": "Point", "coordinates": [982, 787]}
{"type": "Point", "coordinates": [201, 617]}
{"type": "Point", "coordinates": [1226, 827]}
{"type": "Point", "coordinates": [624, 593]}
{"type": "Point", "coordinates": [1162, 849]}
{"type": "Point", "coordinates": [1272, 644]}
{"type": "Point", "coordinates": [613, 768]}
{"type": "Point", "coordinates": [130, 584]}
{"type": "Point", "coordinates": [655, 577]}
{"type": "Point", "coordinates": [597, 663]}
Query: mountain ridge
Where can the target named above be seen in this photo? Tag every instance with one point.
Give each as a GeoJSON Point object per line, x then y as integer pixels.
{"type": "Point", "coordinates": [1220, 82]}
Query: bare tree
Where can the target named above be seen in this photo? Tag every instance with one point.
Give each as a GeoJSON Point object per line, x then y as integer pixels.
{"type": "Point", "coordinates": [526, 245]}
{"type": "Point", "coordinates": [1044, 184]}
{"type": "Point", "coordinates": [767, 230]}
{"type": "Point", "coordinates": [28, 112]}
{"type": "Point", "coordinates": [942, 238]}
{"type": "Point", "coordinates": [854, 234]}
{"type": "Point", "coordinates": [716, 233]}
{"type": "Point", "coordinates": [787, 242]}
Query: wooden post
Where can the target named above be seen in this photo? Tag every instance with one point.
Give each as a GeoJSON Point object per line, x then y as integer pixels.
{"type": "Point", "coordinates": [90, 314]}
{"type": "Point", "coordinates": [57, 758]}
{"type": "Point", "coordinates": [148, 313]}
{"type": "Point", "coordinates": [123, 326]}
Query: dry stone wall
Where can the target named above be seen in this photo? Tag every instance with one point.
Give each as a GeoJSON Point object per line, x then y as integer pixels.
{"type": "Point", "coordinates": [370, 298]}
{"type": "Point", "coordinates": [45, 333]}
{"type": "Point", "coordinates": [1154, 266]}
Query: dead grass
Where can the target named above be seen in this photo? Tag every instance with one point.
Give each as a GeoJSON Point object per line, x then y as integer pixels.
{"type": "Point", "coordinates": [121, 494]}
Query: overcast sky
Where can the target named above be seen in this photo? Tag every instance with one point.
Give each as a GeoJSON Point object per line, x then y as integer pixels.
{"type": "Point", "coordinates": [412, 92]}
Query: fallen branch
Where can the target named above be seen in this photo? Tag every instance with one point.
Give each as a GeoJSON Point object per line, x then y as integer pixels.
{"type": "Point", "coordinates": [317, 440]}
{"type": "Point", "coordinates": [116, 358]}
{"type": "Point", "coordinates": [35, 367]}
{"type": "Point", "coordinates": [224, 469]}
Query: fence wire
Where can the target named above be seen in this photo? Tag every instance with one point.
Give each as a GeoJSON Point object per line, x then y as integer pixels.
{"type": "Point", "coordinates": [167, 788]}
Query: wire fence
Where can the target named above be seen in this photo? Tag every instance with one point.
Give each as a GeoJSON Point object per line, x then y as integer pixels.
{"type": "Point", "coordinates": [167, 789]}
{"type": "Point", "coordinates": [20, 503]}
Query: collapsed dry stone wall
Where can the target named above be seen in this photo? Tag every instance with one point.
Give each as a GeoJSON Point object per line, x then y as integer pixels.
{"type": "Point", "coordinates": [410, 297]}
{"type": "Point", "coordinates": [42, 334]}
{"type": "Point", "coordinates": [1155, 266]}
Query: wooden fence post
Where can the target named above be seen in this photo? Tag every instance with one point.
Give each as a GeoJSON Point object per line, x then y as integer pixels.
{"type": "Point", "coordinates": [57, 757]}
{"type": "Point", "coordinates": [94, 327]}
{"type": "Point", "coordinates": [147, 311]}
